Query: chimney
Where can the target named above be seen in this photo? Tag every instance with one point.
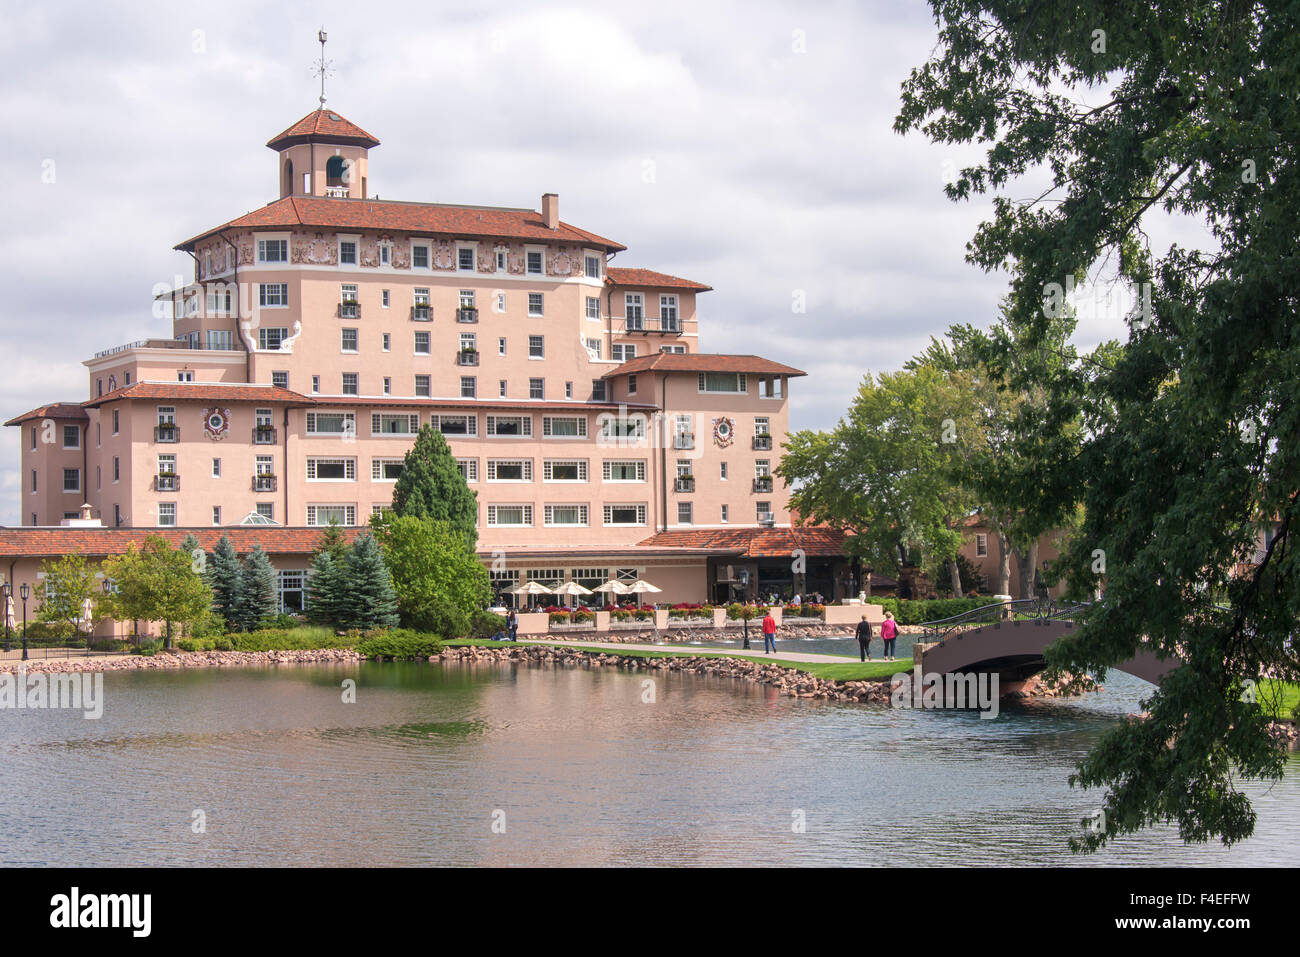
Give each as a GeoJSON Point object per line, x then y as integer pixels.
{"type": "Point", "coordinates": [551, 210]}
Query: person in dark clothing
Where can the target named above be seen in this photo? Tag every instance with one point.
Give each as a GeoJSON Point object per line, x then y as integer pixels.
{"type": "Point", "coordinates": [864, 638]}
{"type": "Point", "coordinates": [512, 624]}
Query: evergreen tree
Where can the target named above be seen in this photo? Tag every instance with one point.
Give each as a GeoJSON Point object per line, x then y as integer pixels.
{"type": "Point", "coordinates": [225, 576]}
{"type": "Point", "coordinates": [368, 599]}
{"type": "Point", "coordinates": [258, 598]}
{"type": "Point", "coordinates": [431, 486]}
{"type": "Point", "coordinates": [332, 541]}
{"type": "Point", "coordinates": [327, 586]}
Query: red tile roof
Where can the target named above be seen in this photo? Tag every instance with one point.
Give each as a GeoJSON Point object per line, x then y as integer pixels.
{"type": "Point", "coordinates": [323, 126]}
{"type": "Point", "coordinates": [622, 276]}
{"type": "Point", "coordinates": [202, 392]}
{"type": "Point", "coordinates": [55, 410]}
{"type": "Point", "coordinates": [96, 542]}
{"type": "Point", "coordinates": [702, 362]}
{"type": "Point", "coordinates": [816, 540]}
{"type": "Point", "coordinates": [492, 222]}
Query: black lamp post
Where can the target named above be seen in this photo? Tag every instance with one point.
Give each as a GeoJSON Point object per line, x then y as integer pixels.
{"type": "Point", "coordinates": [6, 590]}
{"type": "Point", "coordinates": [24, 592]}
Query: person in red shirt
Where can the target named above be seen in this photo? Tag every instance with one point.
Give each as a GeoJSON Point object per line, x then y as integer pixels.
{"type": "Point", "coordinates": [769, 633]}
{"type": "Point", "coordinates": [889, 632]}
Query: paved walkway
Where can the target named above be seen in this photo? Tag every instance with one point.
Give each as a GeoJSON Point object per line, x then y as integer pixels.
{"type": "Point", "coordinates": [616, 646]}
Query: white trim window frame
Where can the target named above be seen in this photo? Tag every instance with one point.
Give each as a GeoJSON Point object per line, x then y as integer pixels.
{"type": "Point", "coordinates": [637, 510]}
{"type": "Point", "coordinates": [638, 469]}
{"type": "Point", "coordinates": [495, 468]}
{"type": "Point", "coordinates": [578, 468]}
{"type": "Point", "coordinates": [579, 510]}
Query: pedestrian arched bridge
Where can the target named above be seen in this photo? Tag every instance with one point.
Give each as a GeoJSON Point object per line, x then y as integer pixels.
{"type": "Point", "coordinates": [995, 639]}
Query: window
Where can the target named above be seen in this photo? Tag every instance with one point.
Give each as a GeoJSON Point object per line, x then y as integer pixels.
{"type": "Point", "coordinates": [465, 258]}
{"type": "Point", "coordinates": [166, 415]}
{"type": "Point", "coordinates": [266, 510]}
{"type": "Point", "coordinates": [387, 341]}
{"type": "Point", "coordinates": [216, 515]}
{"type": "Point", "coordinates": [676, 350]}
{"type": "Point", "coordinates": [348, 340]}
{"type": "Point", "coordinates": [564, 427]}
{"type": "Point", "coordinates": [455, 424]}
{"type": "Point", "coordinates": [220, 339]}
{"type": "Point", "coordinates": [468, 300]}
{"type": "Point", "coordinates": [270, 338]}
{"type": "Point", "coordinates": [72, 480]}
{"type": "Point", "coordinates": [500, 515]}
{"type": "Point", "coordinates": [166, 514]}
{"type": "Point", "coordinates": [501, 260]}
{"type": "Point", "coordinates": [763, 510]}
{"type": "Point", "coordinates": [593, 307]}
{"type": "Point", "coordinates": [292, 590]}
{"type": "Point", "coordinates": [724, 515]}
{"type": "Point", "coordinates": [71, 437]}
{"type": "Point", "coordinates": [468, 386]}
{"type": "Point", "coordinates": [468, 469]}
{"type": "Point", "coordinates": [761, 425]}
{"type": "Point", "coordinates": [396, 424]}
{"type": "Point", "coordinates": [501, 346]}
{"type": "Point", "coordinates": [509, 425]}
{"type": "Point", "coordinates": [537, 388]}
{"type": "Point", "coordinates": [615, 470]}
{"type": "Point", "coordinates": [469, 342]}
{"type": "Point", "coordinates": [981, 545]}
{"type": "Point", "coordinates": [331, 470]}
{"type": "Point", "coordinates": [315, 383]}
{"type": "Point", "coordinates": [501, 302]}
{"type": "Point", "coordinates": [722, 382]}
{"type": "Point", "coordinates": [385, 299]}
{"type": "Point", "coordinates": [668, 312]}
{"type": "Point", "coordinates": [771, 388]}
{"type": "Point", "coordinates": [117, 468]}
{"type": "Point", "coordinates": [625, 514]}
{"type": "Point", "coordinates": [273, 294]}
{"type": "Point", "coordinates": [564, 470]}
{"type": "Point", "coordinates": [564, 515]}
{"type": "Point", "coordinates": [331, 423]}
{"type": "Point", "coordinates": [349, 383]}
{"type": "Point", "coordinates": [501, 388]}
{"type": "Point", "coordinates": [347, 252]}
{"type": "Point", "coordinates": [216, 468]}
{"type": "Point", "coordinates": [594, 346]}
{"type": "Point", "coordinates": [631, 385]}
{"type": "Point", "coordinates": [185, 376]}
{"type": "Point", "coordinates": [535, 304]}
{"type": "Point", "coordinates": [264, 465]}
{"type": "Point", "coordinates": [420, 256]}
{"type": "Point", "coordinates": [280, 380]}
{"type": "Point", "coordinates": [622, 351]}
{"type": "Point", "coordinates": [683, 513]}
{"type": "Point", "coordinates": [421, 343]}
{"type": "Point", "coordinates": [593, 267]}
{"type": "Point", "coordinates": [613, 427]}
{"type": "Point", "coordinates": [99, 477]}
{"type": "Point", "coordinates": [273, 250]}
{"type": "Point", "coordinates": [33, 488]}
{"type": "Point", "coordinates": [115, 428]}
{"type": "Point", "coordinates": [388, 386]}
{"type": "Point", "coordinates": [331, 514]}
{"type": "Point", "coordinates": [536, 347]}
{"type": "Point", "coordinates": [422, 385]}
{"type": "Point", "coordinates": [510, 470]}
{"type": "Point", "coordinates": [348, 295]}
{"type": "Point", "coordinates": [598, 390]}
{"type": "Point", "coordinates": [385, 470]}
{"type": "Point", "coordinates": [534, 259]}
{"type": "Point", "coordinates": [568, 390]}
{"type": "Point", "coordinates": [722, 471]}
{"type": "Point", "coordinates": [632, 311]}
{"type": "Point", "coordinates": [762, 468]}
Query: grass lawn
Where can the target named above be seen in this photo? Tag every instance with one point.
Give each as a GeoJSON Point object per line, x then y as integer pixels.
{"type": "Point", "coordinates": [1278, 698]}
{"type": "Point", "coordinates": [833, 671]}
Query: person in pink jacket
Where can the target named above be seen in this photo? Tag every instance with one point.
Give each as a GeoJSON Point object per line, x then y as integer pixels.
{"type": "Point", "coordinates": [889, 632]}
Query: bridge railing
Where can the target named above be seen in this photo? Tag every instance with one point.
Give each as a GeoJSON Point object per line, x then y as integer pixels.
{"type": "Point", "coordinates": [1020, 609]}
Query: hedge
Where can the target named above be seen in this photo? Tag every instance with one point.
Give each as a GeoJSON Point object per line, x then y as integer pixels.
{"type": "Point", "coordinates": [914, 612]}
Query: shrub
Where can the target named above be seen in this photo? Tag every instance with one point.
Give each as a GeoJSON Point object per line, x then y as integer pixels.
{"type": "Point", "coordinates": [484, 624]}
{"type": "Point", "coordinates": [148, 647]}
{"type": "Point", "coordinates": [222, 643]}
{"type": "Point", "coordinates": [278, 639]}
{"type": "Point", "coordinates": [401, 643]}
{"type": "Point", "coordinates": [558, 617]}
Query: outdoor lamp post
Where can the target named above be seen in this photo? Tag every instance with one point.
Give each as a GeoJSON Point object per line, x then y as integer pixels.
{"type": "Point", "coordinates": [6, 592]}
{"type": "Point", "coordinates": [25, 593]}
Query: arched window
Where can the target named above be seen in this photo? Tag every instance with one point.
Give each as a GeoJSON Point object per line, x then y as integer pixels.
{"type": "Point", "coordinates": [286, 187]}
{"type": "Point", "coordinates": [336, 171]}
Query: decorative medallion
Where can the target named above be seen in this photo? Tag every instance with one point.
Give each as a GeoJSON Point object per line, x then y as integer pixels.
{"type": "Point", "coordinates": [724, 431]}
{"type": "Point", "coordinates": [216, 423]}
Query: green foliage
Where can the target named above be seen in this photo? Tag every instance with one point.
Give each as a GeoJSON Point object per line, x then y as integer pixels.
{"type": "Point", "coordinates": [439, 581]}
{"type": "Point", "coordinates": [332, 542]}
{"type": "Point", "coordinates": [259, 597]}
{"type": "Point", "coordinates": [1188, 447]}
{"type": "Point", "coordinates": [293, 639]}
{"type": "Point", "coordinates": [432, 487]}
{"type": "Point", "coordinates": [368, 600]}
{"type": "Point", "coordinates": [69, 584]}
{"type": "Point", "coordinates": [400, 643]}
{"type": "Point", "coordinates": [327, 597]}
{"type": "Point", "coordinates": [156, 583]}
{"type": "Point", "coordinates": [224, 576]}
{"type": "Point", "coordinates": [484, 624]}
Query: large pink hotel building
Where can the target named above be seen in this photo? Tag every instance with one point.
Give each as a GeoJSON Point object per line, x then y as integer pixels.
{"type": "Point", "coordinates": [324, 329]}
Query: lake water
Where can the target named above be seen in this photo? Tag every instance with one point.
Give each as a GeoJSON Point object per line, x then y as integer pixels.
{"type": "Point", "coordinates": [578, 767]}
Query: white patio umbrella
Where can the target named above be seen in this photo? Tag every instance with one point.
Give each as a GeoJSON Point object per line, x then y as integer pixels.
{"type": "Point", "coordinates": [642, 587]}
{"type": "Point", "coordinates": [612, 587]}
{"type": "Point", "coordinates": [531, 588]}
{"type": "Point", "coordinates": [572, 589]}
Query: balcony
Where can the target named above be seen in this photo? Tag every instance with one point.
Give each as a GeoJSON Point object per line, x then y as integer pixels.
{"type": "Point", "coordinates": [467, 314]}
{"type": "Point", "coordinates": [264, 435]}
{"type": "Point", "coordinates": [337, 192]}
{"type": "Point", "coordinates": [166, 432]}
{"type": "Point", "coordinates": [264, 483]}
{"type": "Point", "coordinates": [670, 327]}
{"type": "Point", "coordinates": [762, 443]}
{"type": "Point", "coordinates": [684, 483]}
{"type": "Point", "coordinates": [467, 357]}
{"type": "Point", "coordinates": [167, 482]}
{"type": "Point", "coordinates": [633, 325]}
{"type": "Point", "coordinates": [763, 483]}
{"type": "Point", "coordinates": [421, 312]}
{"type": "Point", "coordinates": [684, 440]}
{"type": "Point", "coordinates": [349, 310]}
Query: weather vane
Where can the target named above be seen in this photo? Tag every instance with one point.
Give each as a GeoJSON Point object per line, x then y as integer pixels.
{"type": "Point", "coordinates": [323, 68]}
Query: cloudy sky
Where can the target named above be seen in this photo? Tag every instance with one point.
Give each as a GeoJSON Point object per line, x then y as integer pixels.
{"type": "Point", "coordinates": [746, 145]}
